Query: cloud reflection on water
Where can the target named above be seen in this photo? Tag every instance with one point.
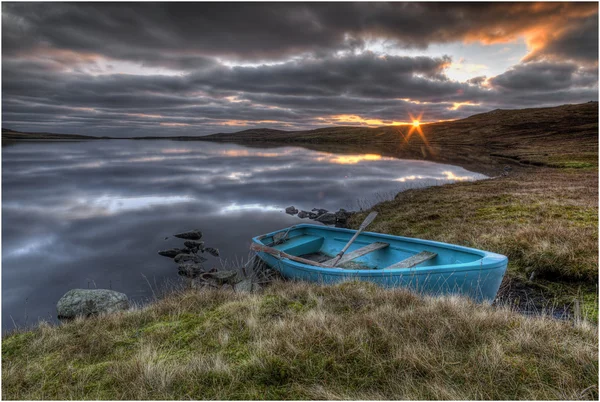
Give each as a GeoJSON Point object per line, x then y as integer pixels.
{"type": "Point", "coordinates": [97, 212]}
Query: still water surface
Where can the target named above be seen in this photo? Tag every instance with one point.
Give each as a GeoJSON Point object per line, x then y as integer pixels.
{"type": "Point", "coordinates": [94, 214]}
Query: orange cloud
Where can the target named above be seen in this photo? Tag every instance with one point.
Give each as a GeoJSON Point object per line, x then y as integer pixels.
{"type": "Point", "coordinates": [174, 124]}
{"type": "Point", "coordinates": [540, 24]}
{"type": "Point", "coordinates": [352, 119]}
{"type": "Point", "coordinates": [457, 105]}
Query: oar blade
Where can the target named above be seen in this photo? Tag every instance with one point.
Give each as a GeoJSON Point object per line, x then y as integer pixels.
{"type": "Point", "coordinates": [370, 218]}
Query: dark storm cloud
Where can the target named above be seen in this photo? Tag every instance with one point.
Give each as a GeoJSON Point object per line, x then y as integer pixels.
{"type": "Point", "coordinates": [268, 30]}
{"type": "Point", "coordinates": [545, 76]}
{"type": "Point", "coordinates": [291, 66]}
{"type": "Point", "coordinates": [292, 95]}
{"type": "Point", "coordinates": [295, 93]}
{"type": "Point", "coordinates": [365, 74]}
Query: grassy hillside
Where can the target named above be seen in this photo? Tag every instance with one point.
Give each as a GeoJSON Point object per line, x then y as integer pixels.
{"type": "Point", "coordinates": [525, 126]}
{"type": "Point", "coordinates": [302, 341]}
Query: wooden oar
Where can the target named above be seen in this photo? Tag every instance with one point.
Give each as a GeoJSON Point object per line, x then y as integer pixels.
{"type": "Point", "coordinates": [334, 261]}
{"type": "Point", "coordinates": [251, 260]}
{"type": "Point", "coordinates": [282, 254]}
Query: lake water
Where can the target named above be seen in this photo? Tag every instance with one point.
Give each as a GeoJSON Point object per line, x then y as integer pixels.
{"type": "Point", "coordinates": [94, 214]}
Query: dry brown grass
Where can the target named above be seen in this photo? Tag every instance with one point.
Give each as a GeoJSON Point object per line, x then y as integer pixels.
{"type": "Point", "coordinates": [543, 221]}
{"type": "Point", "coordinates": [303, 341]}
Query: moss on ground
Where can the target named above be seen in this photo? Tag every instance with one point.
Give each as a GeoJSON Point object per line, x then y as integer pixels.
{"type": "Point", "coordinates": [303, 341]}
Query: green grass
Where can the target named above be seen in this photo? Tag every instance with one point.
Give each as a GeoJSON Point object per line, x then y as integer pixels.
{"type": "Point", "coordinates": [303, 341]}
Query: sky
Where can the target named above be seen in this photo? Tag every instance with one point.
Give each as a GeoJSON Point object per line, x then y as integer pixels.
{"type": "Point", "coordinates": [168, 69]}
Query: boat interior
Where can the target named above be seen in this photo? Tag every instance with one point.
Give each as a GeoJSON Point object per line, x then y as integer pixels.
{"type": "Point", "coordinates": [319, 246]}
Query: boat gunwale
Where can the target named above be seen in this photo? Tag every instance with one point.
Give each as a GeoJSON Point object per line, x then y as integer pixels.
{"type": "Point", "coordinates": [488, 261]}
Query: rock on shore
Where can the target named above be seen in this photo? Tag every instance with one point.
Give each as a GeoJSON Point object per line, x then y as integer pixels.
{"type": "Point", "coordinates": [338, 218]}
{"type": "Point", "coordinates": [88, 302]}
{"type": "Point", "coordinates": [327, 218]}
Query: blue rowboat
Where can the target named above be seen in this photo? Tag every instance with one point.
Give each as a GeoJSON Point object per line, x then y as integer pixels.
{"type": "Point", "coordinates": [307, 252]}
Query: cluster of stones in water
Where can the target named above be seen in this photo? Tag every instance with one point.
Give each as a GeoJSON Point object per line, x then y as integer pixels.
{"type": "Point", "coordinates": [90, 302]}
{"type": "Point", "coordinates": [191, 264]}
{"type": "Point", "coordinates": [322, 215]}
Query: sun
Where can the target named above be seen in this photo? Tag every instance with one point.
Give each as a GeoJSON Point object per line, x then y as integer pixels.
{"type": "Point", "coordinates": [416, 127]}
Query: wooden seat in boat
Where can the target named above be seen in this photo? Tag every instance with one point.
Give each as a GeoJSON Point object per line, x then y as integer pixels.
{"type": "Point", "coordinates": [413, 260]}
{"type": "Point", "coordinates": [369, 248]}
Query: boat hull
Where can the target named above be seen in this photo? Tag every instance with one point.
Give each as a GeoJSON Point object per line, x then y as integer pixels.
{"type": "Point", "coordinates": [456, 270]}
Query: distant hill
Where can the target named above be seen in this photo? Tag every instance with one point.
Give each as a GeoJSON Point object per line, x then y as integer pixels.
{"type": "Point", "coordinates": [500, 126]}
{"type": "Point", "coordinates": [498, 130]}
{"type": "Point", "coordinates": [484, 142]}
{"type": "Point", "coordinates": [13, 135]}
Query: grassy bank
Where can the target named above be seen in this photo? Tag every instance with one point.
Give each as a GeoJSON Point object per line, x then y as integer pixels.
{"type": "Point", "coordinates": [545, 220]}
{"type": "Point", "coordinates": [302, 341]}
{"type": "Point", "coordinates": [543, 215]}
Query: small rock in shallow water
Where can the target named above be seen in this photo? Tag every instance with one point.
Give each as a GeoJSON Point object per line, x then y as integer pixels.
{"type": "Point", "coordinates": [190, 270]}
{"type": "Point", "coordinates": [189, 258]}
{"type": "Point", "coordinates": [212, 251]}
{"type": "Point", "coordinates": [327, 218]}
{"type": "Point", "coordinates": [302, 214]}
{"type": "Point", "coordinates": [291, 210]}
{"type": "Point", "coordinates": [191, 235]}
{"type": "Point", "coordinates": [319, 211]}
{"type": "Point", "coordinates": [194, 244]}
{"type": "Point", "coordinates": [312, 215]}
{"type": "Point", "coordinates": [89, 302]}
{"type": "Point", "coordinates": [172, 253]}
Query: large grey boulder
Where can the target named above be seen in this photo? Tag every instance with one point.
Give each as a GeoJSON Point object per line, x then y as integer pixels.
{"type": "Point", "coordinates": [243, 286]}
{"type": "Point", "coordinates": [88, 302]}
